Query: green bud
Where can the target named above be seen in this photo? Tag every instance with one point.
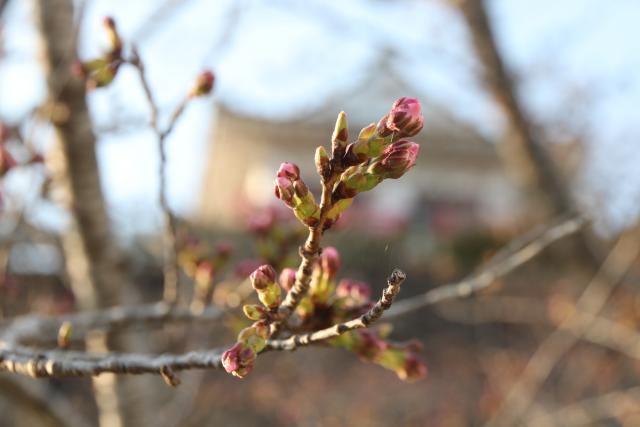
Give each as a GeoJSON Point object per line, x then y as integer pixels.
{"type": "Point", "coordinates": [340, 134]}
{"type": "Point", "coordinates": [322, 162]}
{"type": "Point", "coordinates": [254, 311]}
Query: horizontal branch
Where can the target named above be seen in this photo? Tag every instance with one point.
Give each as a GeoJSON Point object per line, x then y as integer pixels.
{"type": "Point", "coordinates": [57, 363]}
{"type": "Point", "coordinates": [384, 303]}
{"type": "Point", "coordinates": [487, 277]}
{"type": "Point", "coordinates": [37, 329]}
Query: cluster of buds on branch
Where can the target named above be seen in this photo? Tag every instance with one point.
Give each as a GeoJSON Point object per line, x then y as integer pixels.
{"type": "Point", "coordinates": [100, 72]}
{"type": "Point", "coordinates": [312, 292]}
{"type": "Point", "coordinates": [292, 190]}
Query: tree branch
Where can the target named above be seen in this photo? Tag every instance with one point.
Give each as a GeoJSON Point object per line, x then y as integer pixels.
{"type": "Point", "coordinates": [484, 279]}
{"type": "Point", "coordinates": [558, 344]}
{"type": "Point", "coordinates": [384, 303]}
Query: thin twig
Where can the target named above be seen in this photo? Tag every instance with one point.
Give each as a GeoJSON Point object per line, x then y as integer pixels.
{"type": "Point", "coordinates": [169, 235]}
{"type": "Point", "coordinates": [384, 303]}
{"type": "Point", "coordinates": [485, 278]}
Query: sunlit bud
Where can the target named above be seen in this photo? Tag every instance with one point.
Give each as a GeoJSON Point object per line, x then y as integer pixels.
{"type": "Point", "coordinates": [356, 153]}
{"type": "Point", "coordinates": [64, 335]}
{"type": "Point", "coordinates": [396, 159]}
{"type": "Point", "coordinates": [284, 190]}
{"type": "Point", "coordinates": [330, 261]}
{"type": "Point", "coordinates": [322, 162]}
{"type": "Point", "coordinates": [203, 84]}
{"type": "Point", "coordinates": [263, 277]}
{"type": "Point", "coordinates": [340, 134]}
{"type": "Point", "coordinates": [287, 278]}
{"type": "Point", "coordinates": [7, 162]}
{"type": "Point", "coordinates": [289, 170]}
{"type": "Point", "coordinates": [254, 336]}
{"type": "Point", "coordinates": [112, 33]}
{"type": "Point", "coordinates": [270, 297]}
{"type": "Point", "coordinates": [300, 188]}
{"type": "Point", "coordinates": [367, 132]}
{"type": "Point", "coordinates": [239, 360]}
{"type": "Point", "coordinates": [405, 119]}
{"type": "Point", "coordinates": [255, 311]}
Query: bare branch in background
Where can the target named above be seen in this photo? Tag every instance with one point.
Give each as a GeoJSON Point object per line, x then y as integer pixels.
{"type": "Point", "coordinates": [613, 270]}
{"type": "Point", "coordinates": [484, 279]}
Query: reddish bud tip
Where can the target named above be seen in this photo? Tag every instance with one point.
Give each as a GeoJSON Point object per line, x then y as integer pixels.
{"type": "Point", "coordinates": [287, 278]}
{"type": "Point", "coordinates": [289, 170]}
{"type": "Point", "coordinates": [262, 277]}
{"type": "Point", "coordinates": [405, 119]}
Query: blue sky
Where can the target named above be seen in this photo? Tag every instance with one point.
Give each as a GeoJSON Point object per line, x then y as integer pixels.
{"type": "Point", "coordinates": [575, 59]}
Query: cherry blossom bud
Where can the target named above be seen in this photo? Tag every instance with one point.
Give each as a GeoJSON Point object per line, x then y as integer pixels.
{"type": "Point", "coordinates": [254, 336]}
{"type": "Point", "coordinates": [263, 281]}
{"type": "Point", "coordinates": [330, 261]}
{"type": "Point", "coordinates": [284, 190]}
{"type": "Point", "coordinates": [300, 188]}
{"type": "Point", "coordinates": [113, 36]}
{"type": "Point", "coordinates": [322, 162]}
{"type": "Point", "coordinates": [412, 369]}
{"type": "Point", "coordinates": [255, 311]}
{"type": "Point", "coordinates": [340, 135]}
{"type": "Point", "coordinates": [289, 170]}
{"type": "Point", "coordinates": [405, 119]}
{"type": "Point", "coordinates": [203, 85]}
{"type": "Point", "coordinates": [263, 277]}
{"type": "Point", "coordinates": [287, 278]}
{"type": "Point", "coordinates": [396, 159]}
{"type": "Point", "coordinates": [239, 360]}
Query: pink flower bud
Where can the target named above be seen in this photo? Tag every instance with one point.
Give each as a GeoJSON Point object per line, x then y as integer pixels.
{"type": "Point", "coordinates": [264, 276]}
{"type": "Point", "coordinates": [287, 278]}
{"type": "Point", "coordinates": [396, 159]}
{"type": "Point", "coordinates": [239, 360]}
{"type": "Point", "coordinates": [289, 170]}
{"type": "Point", "coordinates": [330, 261]}
{"type": "Point", "coordinates": [203, 85]}
{"type": "Point", "coordinates": [405, 119]}
{"type": "Point", "coordinates": [284, 190]}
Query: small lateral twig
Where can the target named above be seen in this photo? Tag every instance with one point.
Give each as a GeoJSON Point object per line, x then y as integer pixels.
{"type": "Point", "coordinates": [384, 303]}
{"type": "Point", "coordinates": [169, 235]}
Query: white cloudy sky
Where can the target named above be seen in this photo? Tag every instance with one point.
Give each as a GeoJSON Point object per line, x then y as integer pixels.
{"type": "Point", "coordinates": [576, 59]}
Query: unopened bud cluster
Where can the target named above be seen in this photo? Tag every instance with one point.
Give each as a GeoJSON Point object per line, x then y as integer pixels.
{"type": "Point", "coordinates": [379, 153]}
{"type": "Point", "coordinates": [292, 190]}
{"type": "Point", "coordinates": [239, 359]}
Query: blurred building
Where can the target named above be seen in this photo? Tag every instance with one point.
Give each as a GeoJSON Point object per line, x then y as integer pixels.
{"type": "Point", "coordinates": [458, 181]}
